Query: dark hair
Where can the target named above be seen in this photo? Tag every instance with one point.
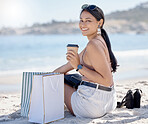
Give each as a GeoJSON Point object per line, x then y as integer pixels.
{"type": "Point", "coordinates": [98, 14]}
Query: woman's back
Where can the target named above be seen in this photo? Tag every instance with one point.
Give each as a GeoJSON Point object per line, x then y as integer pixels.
{"type": "Point", "coordinates": [85, 59]}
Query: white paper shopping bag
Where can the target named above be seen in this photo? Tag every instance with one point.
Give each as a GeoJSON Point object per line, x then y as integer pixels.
{"type": "Point", "coordinates": [47, 98]}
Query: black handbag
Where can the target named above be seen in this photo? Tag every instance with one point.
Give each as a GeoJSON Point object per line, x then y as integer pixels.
{"type": "Point", "coordinates": [131, 100]}
{"type": "Point", "coordinates": [73, 80]}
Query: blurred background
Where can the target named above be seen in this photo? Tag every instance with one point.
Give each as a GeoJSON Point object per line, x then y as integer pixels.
{"type": "Point", "coordinates": [34, 35]}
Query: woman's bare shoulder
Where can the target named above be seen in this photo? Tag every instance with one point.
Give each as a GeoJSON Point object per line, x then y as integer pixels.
{"type": "Point", "coordinates": [95, 45]}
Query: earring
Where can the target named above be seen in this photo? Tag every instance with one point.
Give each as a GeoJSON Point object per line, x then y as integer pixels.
{"type": "Point", "coordinates": [99, 30]}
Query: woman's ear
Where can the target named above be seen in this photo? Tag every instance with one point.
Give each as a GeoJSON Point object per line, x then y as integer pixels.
{"type": "Point", "coordinates": [100, 22]}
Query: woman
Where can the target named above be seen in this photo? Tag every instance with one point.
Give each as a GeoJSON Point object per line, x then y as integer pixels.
{"type": "Point", "coordinates": [95, 95]}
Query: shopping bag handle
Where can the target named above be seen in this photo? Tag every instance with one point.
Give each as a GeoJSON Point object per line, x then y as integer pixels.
{"type": "Point", "coordinates": [54, 88]}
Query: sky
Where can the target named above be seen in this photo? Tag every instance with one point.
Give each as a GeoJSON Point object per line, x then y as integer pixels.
{"type": "Point", "coordinates": [18, 13]}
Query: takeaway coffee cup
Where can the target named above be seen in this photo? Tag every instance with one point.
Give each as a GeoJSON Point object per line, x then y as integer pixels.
{"type": "Point", "coordinates": [73, 47]}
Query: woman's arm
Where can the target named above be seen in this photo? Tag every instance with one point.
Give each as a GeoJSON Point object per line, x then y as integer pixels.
{"type": "Point", "coordinates": [64, 68]}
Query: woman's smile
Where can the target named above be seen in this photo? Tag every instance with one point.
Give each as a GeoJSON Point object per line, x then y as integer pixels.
{"type": "Point", "coordinates": [84, 29]}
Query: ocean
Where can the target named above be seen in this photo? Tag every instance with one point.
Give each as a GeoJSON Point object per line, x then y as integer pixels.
{"type": "Point", "coordinates": [47, 52]}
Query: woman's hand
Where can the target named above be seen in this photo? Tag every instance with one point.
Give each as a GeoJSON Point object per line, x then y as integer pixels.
{"type": "Point", "coordinates": [73, 58]}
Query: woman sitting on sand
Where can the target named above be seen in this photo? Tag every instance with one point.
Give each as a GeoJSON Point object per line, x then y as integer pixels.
{"type": "Point", "coordinates": [95, 95]}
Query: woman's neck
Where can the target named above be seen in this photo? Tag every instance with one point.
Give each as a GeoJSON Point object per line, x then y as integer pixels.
{"type": "Point", "coordinates": [90, 37]}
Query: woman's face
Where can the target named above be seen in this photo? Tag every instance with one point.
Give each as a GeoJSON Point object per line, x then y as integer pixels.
{"type": "Point", "coordinates": [88, 24]}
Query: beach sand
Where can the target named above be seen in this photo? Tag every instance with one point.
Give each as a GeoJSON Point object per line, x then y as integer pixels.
{"type": "Point", "coordinates": [10, 108]}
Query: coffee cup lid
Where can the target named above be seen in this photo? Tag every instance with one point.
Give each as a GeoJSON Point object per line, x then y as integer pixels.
{"type": "Point", "coordinates": [72, 45]}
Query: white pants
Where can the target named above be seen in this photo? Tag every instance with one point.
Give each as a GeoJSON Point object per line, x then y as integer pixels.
{"type": "Point", "coordinates": [92, 102]}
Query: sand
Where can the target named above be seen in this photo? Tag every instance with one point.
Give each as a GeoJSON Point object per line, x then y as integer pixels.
{"type": "Point", "coordinates": [10, 109]}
